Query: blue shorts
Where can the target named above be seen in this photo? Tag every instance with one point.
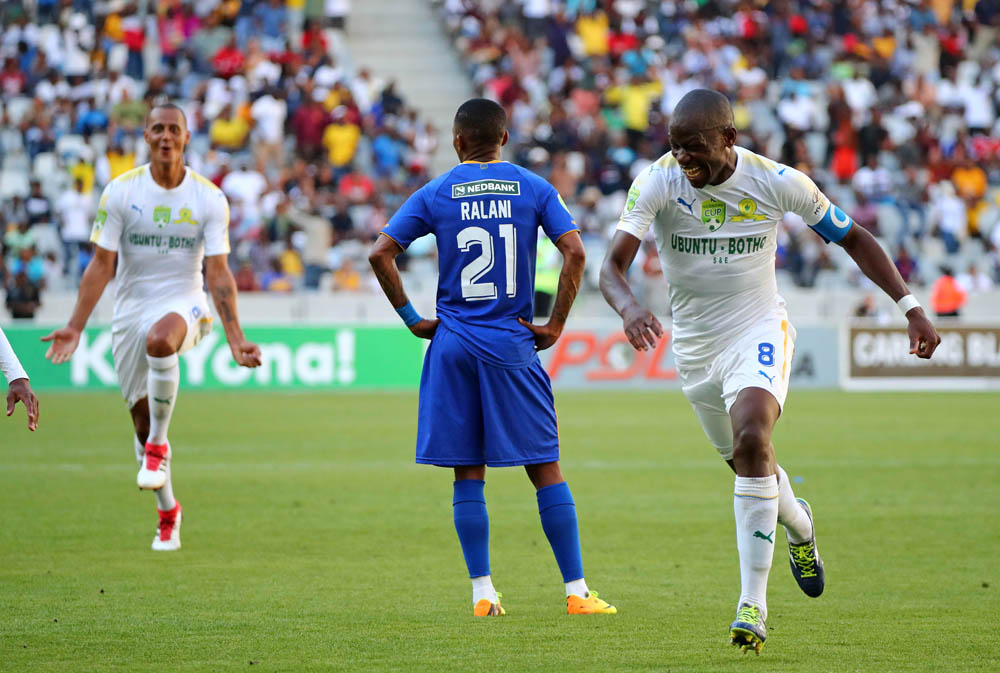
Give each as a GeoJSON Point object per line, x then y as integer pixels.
{"type": "Point", "coordinates": [474, 413]}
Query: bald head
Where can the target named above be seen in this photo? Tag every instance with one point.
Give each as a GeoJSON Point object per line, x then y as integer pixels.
{"type": "Point", "coordinates": [702, 109]}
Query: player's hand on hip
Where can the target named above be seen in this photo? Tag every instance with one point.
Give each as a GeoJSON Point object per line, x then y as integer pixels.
{"type": "Point", "coordinates": [62, 343]}
{"type": "Point", "coordinates": [545, 335]}
{"type": "Point", "coordinates": [426, 328]}
{"type": "Point", "coordinates": [20, 391]}
{"type": "Point", "coordinates": [641, 327]}
{"type": "Point", "coordinates": [246, 353]}
{"type": "Point", "coordinates": [924, 339]}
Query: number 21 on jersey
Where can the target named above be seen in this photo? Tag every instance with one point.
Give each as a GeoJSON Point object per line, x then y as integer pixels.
{"type": "Point", "coordinates": [473, 289]}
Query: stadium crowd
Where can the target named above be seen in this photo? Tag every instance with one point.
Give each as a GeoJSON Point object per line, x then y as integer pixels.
{"type": "Point", "coordinates": [891, 106]}
{"type": "Point", "coordinates": [313, 156]}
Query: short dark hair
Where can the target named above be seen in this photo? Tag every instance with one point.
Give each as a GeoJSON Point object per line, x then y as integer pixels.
{"type": "Point", "coordinates": [481, 121]}
{"type": "Point", "coordinates": [167, 106]}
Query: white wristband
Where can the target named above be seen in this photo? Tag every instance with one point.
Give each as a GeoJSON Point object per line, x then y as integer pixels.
{"type": "Point", "coordinates": [907, 303]}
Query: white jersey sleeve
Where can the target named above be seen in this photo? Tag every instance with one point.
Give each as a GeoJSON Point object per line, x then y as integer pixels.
{"type": "Point", "coordinates": [9, 363]}
{"type": "Point", "coordinates": [797, 193]}
{"type": "Point", "coordinates": [109, 220]}
{"type": "Point", "coordinates": [646, 198]}
{"type": "Point", "coordinates": [217, 225]}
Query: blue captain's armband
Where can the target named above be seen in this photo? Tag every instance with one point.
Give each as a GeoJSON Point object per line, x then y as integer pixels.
{"type": "Point", "coordinates": [409, 315]}
{"type": "Point", "coordinates": [834, 224]}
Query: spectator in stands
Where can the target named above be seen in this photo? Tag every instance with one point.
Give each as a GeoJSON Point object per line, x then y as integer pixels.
{"type": "Point", "coordinates": [268, 113]}
{"type": "Point", "coordinates": [275, 280]}
{"type": "Point", "coordinates": [246, 279]}
{"type": "Point", "coordinates": [38, 208]}
{"type": "Point", "coordinates": [340, 138]}
{"type": "Point", "coordinates": [905, 264]}
{"type": "Point", "coordinates": [230, 130]}
{"type": "Point", "coordinates": [337, 13]}
{"type": "Point", "coordinates": [947, 296]}
{"type": "Point", "coordinates": [974, 281]}
{"type": "Point", "coordinates": [76, 212]}
{"type": "Point", "coordinates": [23, 296]}
{"type": "Point", "coordinates": [347, 278]}
{"type": "Point", "coordinates": [309, 124]}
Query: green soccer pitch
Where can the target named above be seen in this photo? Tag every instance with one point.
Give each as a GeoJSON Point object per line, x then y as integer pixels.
{"type": "Point", "coordinates": [313, 543]}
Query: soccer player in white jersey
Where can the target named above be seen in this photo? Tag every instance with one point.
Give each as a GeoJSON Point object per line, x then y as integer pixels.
{"type": "Point", "coordinates": [714, 209]}
{"type": "Point", "coordinates": [18, 388]}
{"type": "Point", "coordinates": [163, 219]}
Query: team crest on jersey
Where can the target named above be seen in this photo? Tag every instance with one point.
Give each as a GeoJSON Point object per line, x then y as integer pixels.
{"type": "Point", "coordinates": [161, 216]}
{"type": "Point", "coordinates": [100, 219]}
{"type": "Point", "coordinates": [748, 211]}
{"type": "Point", "coordinates": [184, 217]}
{"type": "Point", "coordinates": [713, 214]}
{"type": "Point", "coordinates": [479, 187]}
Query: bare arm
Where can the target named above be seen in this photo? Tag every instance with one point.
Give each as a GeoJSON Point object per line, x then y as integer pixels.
{"type": "Point", "coordinates": [874, 263]}
{"type": "Point", "coordinates": [383, 260]}
{"type": "Point", "coordinates": [96, 277]}
{"type": "Point", "coordinates": [222, 287]}
{"type": "Point", "coordinates": [574, 259]}
{"type": "Point", "coordinates": [641, 327]}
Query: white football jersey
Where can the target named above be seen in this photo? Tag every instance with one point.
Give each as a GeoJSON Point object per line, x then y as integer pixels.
{"type": "Point", "coordinates": [161, 235]}
{"type": "Point", "coordinates": [717, 244]}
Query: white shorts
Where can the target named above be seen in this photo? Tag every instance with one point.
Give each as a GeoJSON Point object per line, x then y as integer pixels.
{"type": "Point", "coordinates": [761, 358]}
{"type": "Point", "coordinates": [128, 340]}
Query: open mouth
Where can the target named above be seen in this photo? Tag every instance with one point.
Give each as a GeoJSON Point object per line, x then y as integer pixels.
{"type": "Point", "coordinates": [693, 172]}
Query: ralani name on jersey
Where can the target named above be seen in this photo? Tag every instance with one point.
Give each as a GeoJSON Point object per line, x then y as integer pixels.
{"type": "Point", "coordinates": [485, 217]}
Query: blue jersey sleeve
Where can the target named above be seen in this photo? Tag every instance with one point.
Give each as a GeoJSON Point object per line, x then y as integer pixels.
{"type": "Point", "coordinates": [556, 218]}
{"type": "Point", "coordinates": [411, 221]}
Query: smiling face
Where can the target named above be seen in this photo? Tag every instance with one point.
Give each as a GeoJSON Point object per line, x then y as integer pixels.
{"type": "Point", "coordinates": [167, 135]}
{"type": "Point", "coordinates": [704, 154]}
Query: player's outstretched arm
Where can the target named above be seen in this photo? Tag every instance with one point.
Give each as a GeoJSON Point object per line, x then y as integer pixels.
{"type": "Point", "coordinates": [19, 388]}
{"type": "Point", "coordinates": [99, 272]}
{"type": "Point", "coordinates": [574, 259]}
{"type": "Point", "coordinates": [383, 260]}
{"type": "Point", "coordinates": [641, 327]}
{"type": "Point", "coordinates": [222, 287]}
{"type": "Point", "coordinates": [20, 391]}
{"type": "Point", "coordinates": [874, 263]}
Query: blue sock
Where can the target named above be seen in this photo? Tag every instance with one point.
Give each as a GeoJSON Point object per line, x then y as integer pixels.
{"type": "Point", "coordinates": [558, 513]}
{"type": "Point", "coordinates": [473, 525]}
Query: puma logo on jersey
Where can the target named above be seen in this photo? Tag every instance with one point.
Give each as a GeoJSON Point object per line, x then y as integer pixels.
{"type": "Point", "coordinates": [686, 204]}
{"type": "Point", "coordinates": [770, 379]}
{"type": "Point", "coordinates": [137, 209]}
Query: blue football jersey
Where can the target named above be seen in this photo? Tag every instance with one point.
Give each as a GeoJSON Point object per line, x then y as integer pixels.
{"type": "Point", "coordinates": [485, 217]}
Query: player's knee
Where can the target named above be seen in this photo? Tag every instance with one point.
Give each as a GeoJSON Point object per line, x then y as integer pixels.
{"type": "Point", "coordinates": [752, 441]}
{"type": "Point", "coordinates": [159, 345]}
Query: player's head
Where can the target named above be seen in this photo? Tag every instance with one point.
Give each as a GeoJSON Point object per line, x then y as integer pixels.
{"type": "Point", "coordinates": [166, 133]}
{"type": "Point", "coordinates": [480, 126]}
{"type": "Point", "coordinates": [702, 135]}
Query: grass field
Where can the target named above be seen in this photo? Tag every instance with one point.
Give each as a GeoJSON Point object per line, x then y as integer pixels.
{"type": "Point", "coordinates": [312, 542]}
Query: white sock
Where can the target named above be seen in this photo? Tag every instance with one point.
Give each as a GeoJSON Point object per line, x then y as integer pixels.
{"type": "Point", "coordinates": [755, 503]}
{"type": "Point", "coordinates": [482, 587]}
{"type": "Point", "coordinates": [165, 494]}
{"type": "Point", "coordinates": [577, 587]}
{"type": "Point", "coordinates": [798, 528]}
{"type": "Point", "coordinates": [161, 386]}
{"type": "Point", "coordinates": [140, 449]}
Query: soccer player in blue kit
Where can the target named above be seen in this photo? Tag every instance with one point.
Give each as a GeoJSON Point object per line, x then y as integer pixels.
{"type": "Point", "coordinates": [484, 397]}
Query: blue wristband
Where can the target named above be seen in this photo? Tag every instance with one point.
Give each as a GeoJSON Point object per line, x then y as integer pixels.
{"type": "Point", "coordinates": [409, 315]}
